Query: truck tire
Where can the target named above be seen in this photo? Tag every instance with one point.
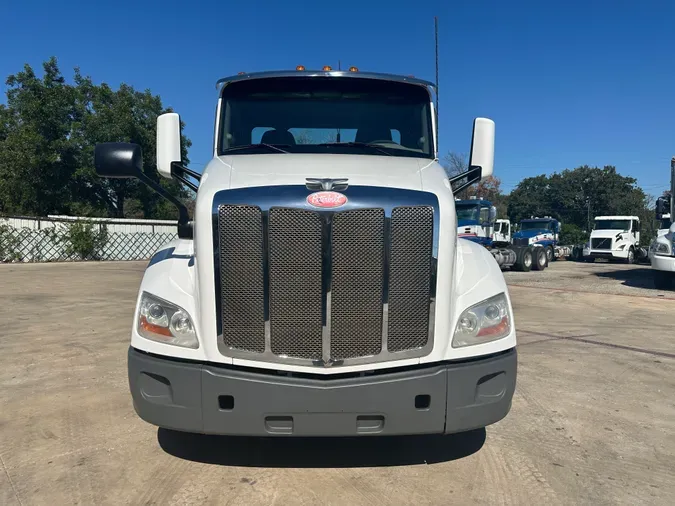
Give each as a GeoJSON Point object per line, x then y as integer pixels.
{"type": "Point", "coordinates": [662, 280]}
{"type": "Point", "coordinates": [550, 254]}
{"type": "Point", "coordinates": [539, 259]}
{"type": "Point", "coordinates": [630, 259]}
{"type": "Point", "coordinates": [524, 259]}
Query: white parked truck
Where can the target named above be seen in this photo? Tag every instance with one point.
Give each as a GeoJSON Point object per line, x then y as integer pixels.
{"type": "Point", "coordinates": [662, 249]}
{"type": "Point", "coordinates": [615, 237]}
{"type": "Point", "coordinates": [321, 289]}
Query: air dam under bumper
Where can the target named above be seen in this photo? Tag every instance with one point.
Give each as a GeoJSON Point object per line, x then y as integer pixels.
{"type": "Point", "coordinates": [442, 398]}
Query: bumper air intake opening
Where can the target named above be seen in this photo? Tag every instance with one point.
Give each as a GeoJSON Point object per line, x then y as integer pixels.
{"type": "Point", "coordinates": [422, 401]}
{"type": "Point", "coordinates": [226, 402]}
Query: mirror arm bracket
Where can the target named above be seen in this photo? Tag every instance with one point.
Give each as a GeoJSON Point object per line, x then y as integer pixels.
{"type": "Point", "coordinates": [180, 172]}
{"type": "Point", "coordinates": [184, 223]}
{"type": "Point", "coordinates": [472, 176]}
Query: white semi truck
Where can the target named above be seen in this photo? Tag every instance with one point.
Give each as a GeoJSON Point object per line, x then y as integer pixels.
{"type": "Point", "coordinates": [321, 289]}
{"type": "Point", "coordinates": [615, 238]}
{"type": "Point", "coordinates": [662, 249]}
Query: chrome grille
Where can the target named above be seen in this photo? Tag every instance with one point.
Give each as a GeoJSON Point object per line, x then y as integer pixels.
{"type": "Point", "coordinates": [241, 277]}
{"type": "Point", "coordinates": [310, 286]}
{"type": "Point", "coordinates": [295, 283]}
{"type": "Point", "coordinates": [601, 243]}
{"type": "Point", "coordinates": [409, 277]}
{"type": "Point", "coordinates": [357, 241]}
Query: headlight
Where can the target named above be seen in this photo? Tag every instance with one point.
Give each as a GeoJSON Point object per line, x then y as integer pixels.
{"type": "Point", "coordinates": [661, 248]}
{"type": "Point", "coordinates": [165, 322]}
{"type": "Point", "coordinates": [484, 322]}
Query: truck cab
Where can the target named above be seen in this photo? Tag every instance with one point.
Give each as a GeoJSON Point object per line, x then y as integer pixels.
{"type": "Point", "coordinates": [321, 288]}
{"type": "Point", "coordinates": [539, 232]}
{"type": "Point", "coordinates": [615, 237]}
{"type": "Point", "coordinates": [475, 220]}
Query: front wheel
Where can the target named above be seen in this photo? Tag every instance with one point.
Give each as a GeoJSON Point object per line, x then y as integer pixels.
{"type": "Point", "coordinates": [630, 259]}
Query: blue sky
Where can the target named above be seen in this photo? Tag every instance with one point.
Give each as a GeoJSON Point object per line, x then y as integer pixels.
{"type": "Point", "coordinates": [567, 83]}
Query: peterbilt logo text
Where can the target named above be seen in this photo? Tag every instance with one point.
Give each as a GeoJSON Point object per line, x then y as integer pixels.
{"type": "Point", "coordinates": [326, 199]}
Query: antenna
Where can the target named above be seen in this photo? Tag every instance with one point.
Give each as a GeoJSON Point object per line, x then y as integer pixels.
{"type": "Point", "coordinates": [436, 38]}
{"type": "Point", "coordinates": [339, 65]}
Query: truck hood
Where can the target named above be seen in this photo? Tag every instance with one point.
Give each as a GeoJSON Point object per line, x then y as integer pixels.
{"type": "Point", "coordinates": [531, 233]}
{"type": "Point", "coordinates": [288, 169]}
{"type": "Point", "coordinates": [607, 234]}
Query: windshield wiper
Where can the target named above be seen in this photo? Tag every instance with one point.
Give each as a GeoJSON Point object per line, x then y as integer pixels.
{"type": "Point", "coordinates": [357, 145]}
{"type": "Point", "coordinates": [271, 147]}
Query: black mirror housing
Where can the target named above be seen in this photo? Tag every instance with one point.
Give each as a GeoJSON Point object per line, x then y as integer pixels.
{"type": "Point", "coordinates": [118, 160]}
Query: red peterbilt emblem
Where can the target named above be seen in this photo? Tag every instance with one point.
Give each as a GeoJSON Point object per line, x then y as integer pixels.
{"type": "Point", "coordinates": [326, 199]}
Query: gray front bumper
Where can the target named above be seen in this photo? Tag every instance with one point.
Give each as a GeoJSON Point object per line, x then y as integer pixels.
{"type": "Point", "coordinates": [204, 398]}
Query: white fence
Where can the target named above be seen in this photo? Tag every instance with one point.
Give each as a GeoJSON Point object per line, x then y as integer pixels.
{"type": "Point", "coordinates": [28, 239]}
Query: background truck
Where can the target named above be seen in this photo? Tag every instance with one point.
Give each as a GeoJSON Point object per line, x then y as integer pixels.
{"type": "Point", "coordinates": [477, 222]}
{"type": "Point", "coordinates": [540, 232]}
{"type": "Point", "coordinates": [321, 289]}
{"type": "Point", "coordinates": [615, 237]}
{"type": "Point", "coordinates": [662, 250]}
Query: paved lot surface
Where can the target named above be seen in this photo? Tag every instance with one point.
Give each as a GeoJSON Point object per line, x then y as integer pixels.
{"type": "Point", "coordinates": [593, 419]}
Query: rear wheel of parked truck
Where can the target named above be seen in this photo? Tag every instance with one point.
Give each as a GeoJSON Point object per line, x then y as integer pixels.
{"type": "Point", "coordinates": [524, 259]}
{"type": "Point", "coordinates": [539, 259]}
{"type": "Point", "coordinates": [663, 280]}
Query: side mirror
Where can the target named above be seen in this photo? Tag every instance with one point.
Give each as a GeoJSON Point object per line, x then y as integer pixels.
{"type": "Point", "coordinates": [168, 143]}
{"type": "Point", "coordinates": [118, 160]}
{"type": "Point", "coordinates": [493, 214]}
{"type": "Point", "coordinates": [662, 207]}
{"type": "Point", "coordinates": [483, 146]}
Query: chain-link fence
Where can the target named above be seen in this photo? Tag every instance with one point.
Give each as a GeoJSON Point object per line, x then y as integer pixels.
{"type": "Point", "coordinates": [51, 240]}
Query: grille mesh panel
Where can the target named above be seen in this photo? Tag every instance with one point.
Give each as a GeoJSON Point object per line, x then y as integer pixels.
{"type": "Point", "coordinates": [241, 277]}
{"type": "Point", "coordinates": [356, 288]}
{"type": "Point", "coordinates": [295, 283]}
{"type": "Point", "coordinates": [409, 277]}
{"type": "Point", "coordinates": [601, 243]}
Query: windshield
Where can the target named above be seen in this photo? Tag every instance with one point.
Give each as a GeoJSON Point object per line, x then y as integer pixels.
{"type": "Point", "coordinates": [326, 115]}
{"type": "Point", "coordinates": [536, 225]}
{"type": "Point", "coordinates": [612, 225]}
{"type": "Point", "coordinates": [467, 212]}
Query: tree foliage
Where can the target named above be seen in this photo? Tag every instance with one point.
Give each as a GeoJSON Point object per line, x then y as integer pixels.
{"type": "Point", "coordinates": [48, 131]}
{"type": "Point", "coordinates": [576, 196]}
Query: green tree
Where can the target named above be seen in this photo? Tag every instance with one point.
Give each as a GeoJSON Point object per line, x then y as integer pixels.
{"type": "Point", "coordinates": [576, 196]}
{"type": "Point", "coordinates": [48, 131]}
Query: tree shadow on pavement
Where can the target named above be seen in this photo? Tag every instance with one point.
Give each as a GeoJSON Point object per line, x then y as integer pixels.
{"type": "Point", "coordinates": [638, 277]}
{"type": "Point", "coordinates": [320, 452]}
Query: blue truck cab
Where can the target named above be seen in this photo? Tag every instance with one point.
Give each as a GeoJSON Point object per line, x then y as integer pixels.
{"type": "Point", "coordinates": [539, 232]}
{"type": "Point", "coordinates": [475, 220]}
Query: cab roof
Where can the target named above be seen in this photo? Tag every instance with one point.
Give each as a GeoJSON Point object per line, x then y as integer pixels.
{"type": "Point", "coordinates": [322, 73]}
{"type": "Point", "coordinates": [617, 218]}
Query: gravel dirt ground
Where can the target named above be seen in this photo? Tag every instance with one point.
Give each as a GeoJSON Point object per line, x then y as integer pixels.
{"type": "Point", "coordinates": [593, 418]}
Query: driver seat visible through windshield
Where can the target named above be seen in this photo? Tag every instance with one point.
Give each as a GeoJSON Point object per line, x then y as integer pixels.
{"type": "Point", "coordinates": [283, 137]}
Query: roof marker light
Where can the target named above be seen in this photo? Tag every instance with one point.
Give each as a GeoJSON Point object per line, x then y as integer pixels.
{"type": "Point", "coordinates": [353, 69]}
{"type": "Point", "coordinates": [300, 68]}
{"type": "Point", "coordinates": [327, 68]}
{"type": "Point", "coordinates": [241, 73]}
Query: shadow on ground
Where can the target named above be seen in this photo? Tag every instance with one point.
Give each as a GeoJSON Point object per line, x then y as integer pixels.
{"type": "Point", "coordinates": [320, 452]}
{"type": "Point", "coordinates": [639, 277]}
